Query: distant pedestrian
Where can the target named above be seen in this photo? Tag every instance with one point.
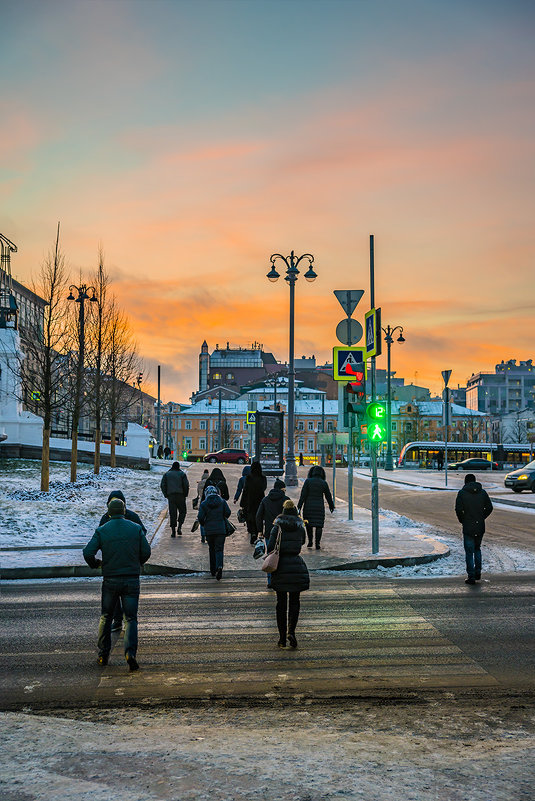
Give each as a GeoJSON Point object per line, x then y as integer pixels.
{"type": "Point", "coordinates": [117, 624]}
{"type": "Point", "coordinates": [254, 488]}
{"type": "Point", "coordinates": [301, 460]}
{"type": "Point", "coordinates": [167, 452]}
{"type": "Point", "coordinates": [213, 513]}
{"type": "Point", "coordinates": [440, 460]}
{"type": "Point", "coordinates": [270, 507]}
{"type": "Point", "coordinates": [124, 549]}
{"type": "Point", "coordinates": [216, 479]}
{"type": "Point", "coordinates": [311, 501]}
{"type": "Point", "coordinates": [197, 500]}
{"type": "Point", "coordinates": [472, 507]}
{"type": "Point", "coordinates": [291, 577]}
{"type": "Point", "coordinates": [175, 487]}
{"type": "Point", "coordinates": [160, 451]}
{"type": "Point", "coordinates": [239, 489]}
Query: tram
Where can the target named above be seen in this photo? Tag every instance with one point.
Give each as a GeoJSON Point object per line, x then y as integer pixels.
{"type": "Point", "coordinates": [424, 454]}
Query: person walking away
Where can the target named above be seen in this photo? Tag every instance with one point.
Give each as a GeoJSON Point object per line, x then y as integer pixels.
{"type": "Point", "coordinates": [175, 487]}
{"type": "Point", "coordinates": [254, 488]}
{"type": "Point", "coordinates": [291, 577]}
{"type": "Point", "coordinates": [217, 479]}
{"type": "Point", "coordinates": [311, 501]}
{"type": "Point", "coordinates": [472, 507]}
{"type": "Point", "coordinates": [200, 489]}
{"type": "Point", "coordinates": [270, 507]}
{"type": "Point", "coordinates": [124, 549]}
{"type": "Point", "coordinates": [239, 489]}
{"type": "Point", "coordinates": [213, 513]}
{"type": "Point", "coordinates": [117, 624]}
{"type": "Point", "coordinates": [440, 460]}
{"type": "Point", "coordinates": [167, 452]}
{"type": "Point", "coordinates": [160, 451]}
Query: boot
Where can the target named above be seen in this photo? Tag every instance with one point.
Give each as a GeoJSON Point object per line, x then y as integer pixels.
{"type": "Point", "coordinates": [319, 532]}
{"type": "Point", "coordinates": [281, 625]}
{"type": "Point", "coordinates": [173, 532]}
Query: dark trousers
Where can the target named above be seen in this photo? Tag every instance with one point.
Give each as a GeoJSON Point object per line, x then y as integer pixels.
{"type": "Point", "coordinates": [216, 546]}
{"type": "Point", "coordinates": [177, 508]}
{"type": "Point", "coordinates": [287, 612]}
{"type": "Point", "coordinates": [472, 552]}
{"type": "Point", "coordinates": [310, 532]}
{"type": "Point", "coordinates": [125, 588]}
{"type": "Point", "coordinates": [251, 526]}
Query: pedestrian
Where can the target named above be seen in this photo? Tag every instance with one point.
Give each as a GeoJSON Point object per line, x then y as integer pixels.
{"type": "Point", "coordinates": [175, 487]}
{"type": "Point", "coordinates": [160, 451]}
{"type": "Point", "coordinates": [301, 460]}
{"type": "Point", "coordinates": [311, 501]}
{"type": "Point", "coordinates": [270, 507]}
{"type": "Point", "coordinates": [254, 488]}
{"type": "Point", "coordinates": [117, 624]}
{"type": "Point", "coordinates": [239, 489]}
{"type": "Point", "coordinates": [200, 489]}
{"type": "Point", "coordinates": [472, 507]}
{"type": "Point", "coordinates": [216, 479]}
{"type": "Point", "coordinates": [167, 452]}
{"type": "Point", "coordinates": [291, 577]}
{"type": "Point", "coordinates": [440, 460]}
{"type": "Point", "coordinates": [213, 513]}
{"type": "Point", "coordinates": [124, 549]}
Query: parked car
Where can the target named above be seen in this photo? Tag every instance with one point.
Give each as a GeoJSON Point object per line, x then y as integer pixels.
{"type": "Point", "coordinates": [521, 479]}
{"type": "Point", "coordinates": [232, 455]}
{"type": "Point", "coordinates": [473, 464]}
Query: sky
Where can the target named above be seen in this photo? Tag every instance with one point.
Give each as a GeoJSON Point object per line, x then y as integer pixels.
{"type": "Point", "coordinates": [195, 138]}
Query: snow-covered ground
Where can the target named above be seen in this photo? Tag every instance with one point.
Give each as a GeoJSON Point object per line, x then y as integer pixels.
{"type": "Point", "coordinates": [69, 513]}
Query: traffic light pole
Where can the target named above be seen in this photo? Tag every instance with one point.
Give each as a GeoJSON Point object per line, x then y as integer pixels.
{"type": "Point", "coordinates": [375, 481]}
{"type": "Point", "coordinates": [350, 469]}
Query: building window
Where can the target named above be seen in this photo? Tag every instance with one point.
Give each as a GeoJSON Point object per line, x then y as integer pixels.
{"type": "Point", "coordinates": [217, 376]}
{"type": "Point", "coordinates": [394, 425]}
{"type": "Point", "coordinates": [301, 425]}
{"type": "Point", "coordinates": [230, 375]}
{"type": "Point", "coordinates": [236, 443]}
{"type": "Point", "coordinates": [330, 425]}
{"type": "Point", "coordinates": [236, 425]}
{"type": "Point", "coordinates": [178, 422]}
{"type": "Point", "coordinates": [311, 425]}
{"type": "Point", "coordinates": [202, 444]}
{"type": "Point", "coordinates": [310, 445]}
{"type": "Point", "coordinates": [202, 425]}
{"type": "Point", "coordinates": [187, 443]}
{"type": "Point", "coordinates": [301, 444]}
{"type": "Point", "coordinates": [188, 425]}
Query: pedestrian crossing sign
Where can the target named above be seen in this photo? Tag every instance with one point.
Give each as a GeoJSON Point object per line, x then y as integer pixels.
{"type": "Point", "coordinates": [346, 362]}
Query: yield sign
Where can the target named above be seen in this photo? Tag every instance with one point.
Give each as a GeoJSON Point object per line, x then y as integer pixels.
{"type": "Point", "coordinates": [348, 299]}
{"type": "Point", "coordinates": [446, 376]}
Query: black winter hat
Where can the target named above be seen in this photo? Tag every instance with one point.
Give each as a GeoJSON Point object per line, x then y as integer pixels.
{"type": "Point", "coordinates": [469, 477]}
{"type": "Point", "coordinates": [279, 484]}
{"type": "Point", "coordinates": [116, 507]}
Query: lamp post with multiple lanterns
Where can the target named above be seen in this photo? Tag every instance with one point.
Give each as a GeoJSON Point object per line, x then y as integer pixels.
{"type": "Point", "coordinates": [291, 263]}
{"type": "Point", "coordinates": [389, 331]}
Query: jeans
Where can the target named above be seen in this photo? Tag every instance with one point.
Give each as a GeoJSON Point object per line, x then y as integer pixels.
{"type": "Point", "coordinates": [216, 545]}
{"type": "Point", "coordinates": [125, 588]}
{"type": "Point", "coordinates": [472, 551]}
{"type": "Point", "coordinates": [177, 507]}
{"type": "Point", "coordinates": [287, 612]}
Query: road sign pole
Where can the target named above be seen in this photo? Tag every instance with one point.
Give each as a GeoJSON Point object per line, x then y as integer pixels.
{"type": "Point", "coordinates": [350, 469]}
{"type": "Point", "coordinates": [445, 405]}
{"type": "Point", "coordinates": [375, 481]}
{"type": "Point", "coordinates": [334, 466]}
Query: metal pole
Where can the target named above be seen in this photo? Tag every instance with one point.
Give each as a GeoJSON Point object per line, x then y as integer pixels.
{"type": "Point", "coordinates": [323, 428]}
{"type": "Point", "coordinates": [275, 395]}
{"type": "Point", "coordinates": [291, 469]}
{"type": "Point", "coordinates": [375, 482]}
{"type": "Point", "coordinates": [389, 464]}
{"type": "Point", "coordinates": [334, 466]}
{"type": "Point", "coordinates": [350, 469]}
{"type": "Point", "coordinates": [219, 421]}
{"type": "Point", "coordinates": [158, 421]}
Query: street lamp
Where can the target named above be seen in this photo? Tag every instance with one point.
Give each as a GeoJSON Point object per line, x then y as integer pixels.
{"type": "Point", "coordinates": [291, 263]}
{"type": "Point", "coordinates": [139, 379]}
{"type": "Point", "coordinates": [389, 340]}
{"type": "Point", "coordinates": [82, 294]}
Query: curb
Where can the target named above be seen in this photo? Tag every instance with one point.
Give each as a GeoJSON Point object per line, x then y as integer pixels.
{"type": "Point", "coordinates": [508, 502]}
{"type": "Point", "coordinates": [408, 483]}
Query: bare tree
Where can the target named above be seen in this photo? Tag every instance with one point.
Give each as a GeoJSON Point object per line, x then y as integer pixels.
{"type": "Point", "coordinates": [46, 349]}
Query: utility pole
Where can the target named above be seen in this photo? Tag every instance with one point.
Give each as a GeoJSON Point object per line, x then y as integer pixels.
{"type": "Point", "coordinates": [219, 438]}
{"type": "Point", "coordinates": [158, 420]}
{"type": "Point", "coordinates": [446, 410]}
{"type": "Point", "coordinates": [375, 482]}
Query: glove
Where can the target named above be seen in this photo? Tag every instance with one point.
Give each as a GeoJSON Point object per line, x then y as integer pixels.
{"type": "Point", "coordinates": [98, 563]}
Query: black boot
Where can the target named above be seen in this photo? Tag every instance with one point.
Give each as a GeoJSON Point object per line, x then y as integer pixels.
{"type": "Point", "coordinates": [281, 625]}
{"type": "Point", "coordinates": [173, 532]}
{"type": "Point", "coordinates": [319, 532]}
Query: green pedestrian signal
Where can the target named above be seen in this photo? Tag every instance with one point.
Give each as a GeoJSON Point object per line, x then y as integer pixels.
{"type": "Point", "coordinates": [376, 413]}
{"type": "Point", "coordinates": [185, 455]}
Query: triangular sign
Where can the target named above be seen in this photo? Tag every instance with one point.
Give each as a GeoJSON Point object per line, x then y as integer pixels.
{"type": "Point", "coordinates": [349, 365]}
{"type": "Point", "coordinates": [348, 299]}
{"type": "Point", "coordinates": [446, 376]}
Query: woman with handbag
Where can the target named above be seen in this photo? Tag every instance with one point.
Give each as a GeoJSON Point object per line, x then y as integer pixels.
{"type": "Point", "coordinates": [200, 490]}
{"type": "Point", "coordinates": [291, 577]}
{"type": "Point", "coordinates": [213, 514]}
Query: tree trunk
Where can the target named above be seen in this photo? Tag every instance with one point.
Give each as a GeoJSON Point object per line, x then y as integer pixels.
{"type": "Point", "coordinates": [112, 447]}
{"type": "Point", "coordinates": [74, 454]}
{"type": "Point", "coordinates": [97, 451]}
{"type": "Point", "coordinates": [45, 461]}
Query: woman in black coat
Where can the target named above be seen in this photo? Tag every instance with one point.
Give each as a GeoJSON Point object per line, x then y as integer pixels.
{"type": "Point", "coordinates": [216, 479]}
{"type": "Point", "coordinates": [291, 577]}
{"type": "Point", "coordinates": [311, 500]}
{"type": "Point", "coordinates": [254, 488]}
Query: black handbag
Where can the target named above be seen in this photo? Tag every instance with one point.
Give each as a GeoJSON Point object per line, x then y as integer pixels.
{"type": "Point", "coordinates": [241, 516]}
{"type": "Point", "coordinates": [195, 502]}
{"type": "Point", "coordinates": [230, 527]}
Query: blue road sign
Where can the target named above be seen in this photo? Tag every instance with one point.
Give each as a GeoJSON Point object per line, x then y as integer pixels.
{"type": "Point", "coordinates": [346, 361]}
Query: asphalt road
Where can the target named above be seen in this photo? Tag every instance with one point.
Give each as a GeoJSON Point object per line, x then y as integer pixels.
{"type": "Point", "coordinates": [200, 639]}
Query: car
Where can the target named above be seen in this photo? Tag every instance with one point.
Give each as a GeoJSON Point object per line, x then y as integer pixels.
{"type": "Point", "coordinates": [521, 479]}
{"type": "Point", "coordinates": [473, 464]}
{"type": "Point", "coordinates": [231, 455]}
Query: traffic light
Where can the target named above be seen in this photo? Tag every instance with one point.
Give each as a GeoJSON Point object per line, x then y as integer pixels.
{"type": "Point", "coordinates": [376, 414]}
{"type": "Point", "coordinates": [355, 394]}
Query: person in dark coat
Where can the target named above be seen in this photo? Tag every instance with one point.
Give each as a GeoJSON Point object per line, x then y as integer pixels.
{"type": "Point", "coordinates": [124, 549]}
{"type": "Point", "coordinates": [270, 507]}
{"type": "Point", "coordinates": [117, 624]}
{"type": "Point", "coordinates": [175, 487]}
{"type": "Point", "coordinates": [167, 452]}
{"type": "Point", "coordinates": [160, 451]}
{"type": "Point", "coordinates": [311, 501]}
{"type": "Point", "coordinates": [472, 507]}
{"type": "Point", "coordinates": [239, 489]}
{"type": "Point", "coordinates": [212, 516]}
{"type": "Point", "coordinates": [254, 488]}
{"type": "Point", "coordinates": [216, 479]}
{"type": "Point", "coordinates": [291, 577]}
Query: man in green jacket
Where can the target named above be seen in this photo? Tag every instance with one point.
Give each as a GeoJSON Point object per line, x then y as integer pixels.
{"type": "Point", "coordinates": [124, 549]}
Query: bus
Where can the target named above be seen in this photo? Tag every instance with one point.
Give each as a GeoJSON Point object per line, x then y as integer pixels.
{"type": "Point", "coordinates": [424, 454]}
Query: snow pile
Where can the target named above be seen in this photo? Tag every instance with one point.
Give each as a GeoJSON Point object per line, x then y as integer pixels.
{"type": "Point", "coordinates": [67, 491]}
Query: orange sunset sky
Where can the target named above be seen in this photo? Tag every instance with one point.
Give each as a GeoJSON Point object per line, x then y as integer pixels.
{"type": "Point", "coordinates": [195, 139]}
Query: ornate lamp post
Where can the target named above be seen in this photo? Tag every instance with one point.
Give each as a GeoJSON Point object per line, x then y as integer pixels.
{"type": "Point", "coordinates": [139, 379]}
{"type": "Point", "coordinates": [389, 340]}
{"type": "Point", "coordinates": [291, 263]}
{"type": "Point", "coordinates": [82, 295]}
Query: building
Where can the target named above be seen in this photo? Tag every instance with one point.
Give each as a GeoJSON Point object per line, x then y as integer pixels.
{"type": "Point", "coordinates": [509, 389]}
{"type": "Point", "coordinates": [233, 367]}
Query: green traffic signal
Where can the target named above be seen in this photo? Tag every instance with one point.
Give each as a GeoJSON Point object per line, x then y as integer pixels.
{"type": "Point", "coordinates": [376, 413]}
{"type": "Point", "coordinates": [376, 432]}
